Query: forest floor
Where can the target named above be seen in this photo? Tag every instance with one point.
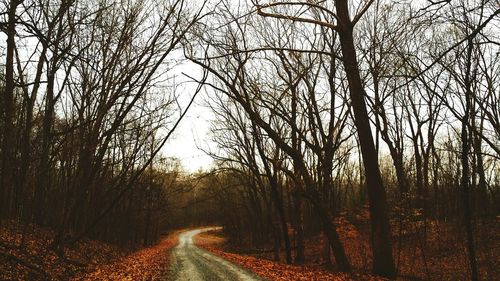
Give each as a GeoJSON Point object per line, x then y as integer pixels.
{"type": "Point", "coordinates": [271, 270]}
{"type": "Point", "coordinates": [34, 260]}
{"type": "Point", "coordinates": [152, 263]}
{"type": "Point", "coordinates": [438, 253]}
{"type": "Point", "coordinates": [86, 260]}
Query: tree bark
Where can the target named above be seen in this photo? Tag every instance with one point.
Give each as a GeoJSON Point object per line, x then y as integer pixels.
{"type": "Point", "coordinates": [383, 263]}
{"type": "Point", "coordinates": [278, 202]}
{"type": "Point", "coordinates": [8, 113]}
{"type": "Point", "coordinates": [330, 230]}
{"type": "Point", "coordinates": [466, 145]}
{"type": "Point", "coordinates": [299, 254]}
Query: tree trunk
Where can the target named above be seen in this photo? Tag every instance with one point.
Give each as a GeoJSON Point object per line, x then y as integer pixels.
{"type": "Point", "coordinates": [330, 230]}
{"type": "Point", "coordinates": [8, 113]}
{"type": "Point", "coordinates": [278, 202]}
{"type": "Point", "coordinates": [299, 254]}
{"type": "Point", "coordinates": [281, 214]}
{"type": "Point", "coordinates": [419, 181]}
{"type": "Point", "coordinates": [466, 145]}
{"type": "Point", "coordinates": [383, 263]}
{"type": "Point", "coordinates": [482, 187]}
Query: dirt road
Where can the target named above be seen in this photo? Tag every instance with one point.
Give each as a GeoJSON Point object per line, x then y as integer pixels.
{"type": "Point", "coordinates": [192, 263]}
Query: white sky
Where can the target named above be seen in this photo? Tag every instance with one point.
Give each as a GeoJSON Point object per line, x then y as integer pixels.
{"type": "Point", "coordinates": [192, 134]}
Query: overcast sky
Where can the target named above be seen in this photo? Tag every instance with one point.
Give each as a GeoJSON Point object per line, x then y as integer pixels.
{"type": "Point", "coordinates": [192, 134]}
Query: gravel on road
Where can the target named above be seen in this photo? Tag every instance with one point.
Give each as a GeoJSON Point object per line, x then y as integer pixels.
{"type": "Point", "coordinates": [192, 263]}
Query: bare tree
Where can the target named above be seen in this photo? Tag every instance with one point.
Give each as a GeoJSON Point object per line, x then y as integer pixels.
{"type": "Point", "coordinates": [341, 23]}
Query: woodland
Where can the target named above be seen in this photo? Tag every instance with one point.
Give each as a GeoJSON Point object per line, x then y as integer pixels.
{"type": "Point", "coordinates": [357, 140]}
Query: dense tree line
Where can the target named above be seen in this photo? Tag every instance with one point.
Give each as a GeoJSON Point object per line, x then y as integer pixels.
{"type": "Point", "coordinates": [86, 103]}
{"type": "Point", "coordinates": [311, 98]}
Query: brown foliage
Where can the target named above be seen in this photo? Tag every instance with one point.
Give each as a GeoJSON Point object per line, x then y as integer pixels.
{"type": "Point", "coordinates": [35, 261]}
{"type": "Point", "coordinates": [86, 260]}
{"type": "Point", "coordinates": [273, 270]}
{"type": "Point", "coordinates": [147, 264]}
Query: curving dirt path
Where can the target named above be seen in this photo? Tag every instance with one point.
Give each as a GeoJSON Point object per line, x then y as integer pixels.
{"type": "Point", "coordinates": [189, 262]}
